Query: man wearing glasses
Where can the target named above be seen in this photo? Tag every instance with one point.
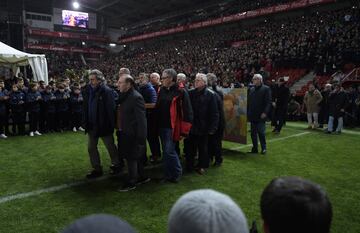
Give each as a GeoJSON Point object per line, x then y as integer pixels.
{"type": "Point", "coordinates": [174, 114]}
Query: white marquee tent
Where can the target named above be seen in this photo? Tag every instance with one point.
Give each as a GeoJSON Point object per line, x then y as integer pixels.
{"type": "Point", "coordinates": [14, 58]}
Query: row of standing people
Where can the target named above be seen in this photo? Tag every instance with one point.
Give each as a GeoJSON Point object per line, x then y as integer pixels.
{"type": "Point", "coordinates": [172, 113]}
{"type": "Point", "coordinates": [330, 106]}
{"type": "Point", "coordinates": [48, 108]}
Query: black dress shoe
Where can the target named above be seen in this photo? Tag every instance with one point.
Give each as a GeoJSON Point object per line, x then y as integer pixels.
{"type": "Point", "coordinates": [94, 174]}
{"type": "Point", "coordinates": [115, 170]}
{"type": "Point", "coordinates": [263, 152]}
{"type": "Point", "coordinates": [127, 187]}
{"type": "Point", "coordinates": [169, 180]}
{"type": "Point", "coordinates": [154, 159]}
{"type": "Point", "coordinates": [143, 180]}
{"type": "Point", "coordinates": [253, 152]}
{"type": "Point", "coordinates": [217, 163]}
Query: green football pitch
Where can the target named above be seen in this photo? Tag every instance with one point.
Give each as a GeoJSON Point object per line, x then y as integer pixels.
{"type": "Point", "coordinates": [42, 185]}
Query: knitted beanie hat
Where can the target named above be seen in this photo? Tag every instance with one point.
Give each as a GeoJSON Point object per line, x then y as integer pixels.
{"type": "Point", "coordinates": [99, 223]}
{"type": "Point", "coordinates": [206, 211]}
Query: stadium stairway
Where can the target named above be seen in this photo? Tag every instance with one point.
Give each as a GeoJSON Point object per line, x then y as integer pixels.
{"type": "Point", "coordinates": [297, 87]}
{"type": "Point", "coordinates": [293, 75]}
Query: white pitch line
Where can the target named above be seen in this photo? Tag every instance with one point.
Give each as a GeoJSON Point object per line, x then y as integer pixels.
{"type": "Point", "coordinates": [46, 190]}
{"type": "Point", "coordinates": [272, 140]}
{"type": "Point", "coordinates": [75, 184]}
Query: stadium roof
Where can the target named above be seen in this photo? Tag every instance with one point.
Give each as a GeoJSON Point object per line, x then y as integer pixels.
{"type": "Point", "coordinates": [123, 13]}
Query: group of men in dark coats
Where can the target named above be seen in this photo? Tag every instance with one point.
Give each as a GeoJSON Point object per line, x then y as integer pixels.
{"type": "Point", "coordinates": [171, 113]}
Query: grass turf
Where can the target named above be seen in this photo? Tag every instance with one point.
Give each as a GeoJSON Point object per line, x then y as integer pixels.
{"type": "Point", "coordinates": [28, 164]}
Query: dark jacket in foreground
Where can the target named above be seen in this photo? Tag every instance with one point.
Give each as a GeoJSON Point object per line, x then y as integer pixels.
{"type": "Point", "coordinates": [102, 104]}
{"type": "Point", "coordinates": [259, 101]}
{"type": "Point", "coordinates": [174, 111]}
{"type": "Point", "coordinates": [206, 112]}
{"type": "Point", "coordinates": [133, 126]}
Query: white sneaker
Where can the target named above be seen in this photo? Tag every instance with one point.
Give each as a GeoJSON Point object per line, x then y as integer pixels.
{"type": "Point", "coordinates": [74, 129]}
{"type": "Point", "coordinates": [81, 129]}
{"type": "Point", "coordinates": [3, 136]}
{"type": "Point", "coordinates": [37, 133]}
{"type": "Point", "coordinates": [31, 134]}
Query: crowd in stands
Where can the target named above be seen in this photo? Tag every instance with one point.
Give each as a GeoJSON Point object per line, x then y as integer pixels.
{"type": "Point", "coordinates": [196, 15]}
{"type": "Point", "coordinates": [287, 205]}
{"type": "Point", "coordinates": [323, 41]}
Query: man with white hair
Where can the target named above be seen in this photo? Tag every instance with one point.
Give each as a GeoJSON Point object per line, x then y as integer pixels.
{"type": "Point", "coordinates": [259, 103]}
{"type": "Point", "coordinates": [206, 122]}
{"type": "Point", "coordinates": [181, 80]}
{"type": "Point", "coordinates": [155, 81]}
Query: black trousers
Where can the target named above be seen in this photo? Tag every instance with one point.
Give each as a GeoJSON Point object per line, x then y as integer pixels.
{"type": "Point", "coordinates": [323, 116]}
{"type": "Point", "coordinates": [7, 114]}
{"type": "Point", "coordinates": [42, 120]}
{"type": "Point", "coordinates": [153, 135]}
{"type": "Point", "coordinates": [120, 154]}
{"type": "Point", "coordinates": [272, 116]}
{"type": "Point", "coordinates": [258, 129]}
{"type": "Point", "coordinates": [279, 117]}
{"type": "Point", "coordinates": [62, 120]}
{"type": "Point", "coordinates": [18, 119]}
{"type": "Point", "coordinates": [50, 121]}
{"type": "Point", "coordinates": [135, 169]}
{"type": "Point", "coordinates": [197, 144]}
{"type": "Point", "coordinates": [34, 121]}
{"type": "Point", "coordinates": [3, 120]}
{"type": "Point", "coordinates": [76, 119]}
{"type": "Point", "coordinates": [215, 146]}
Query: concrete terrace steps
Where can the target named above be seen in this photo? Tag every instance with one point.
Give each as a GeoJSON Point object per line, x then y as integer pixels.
{"type": "Point", "coordinates": [302, 82]}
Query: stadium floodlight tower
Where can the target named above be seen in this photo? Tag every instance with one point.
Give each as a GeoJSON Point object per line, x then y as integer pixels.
{"type": "Point", "coordinates": [76, 5]}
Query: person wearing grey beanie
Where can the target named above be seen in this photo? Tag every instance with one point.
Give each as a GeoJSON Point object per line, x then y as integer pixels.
{"type": "Point", "coordinates": [99, 223]}
{"type": "Point", "coordinates": [206, 211]}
